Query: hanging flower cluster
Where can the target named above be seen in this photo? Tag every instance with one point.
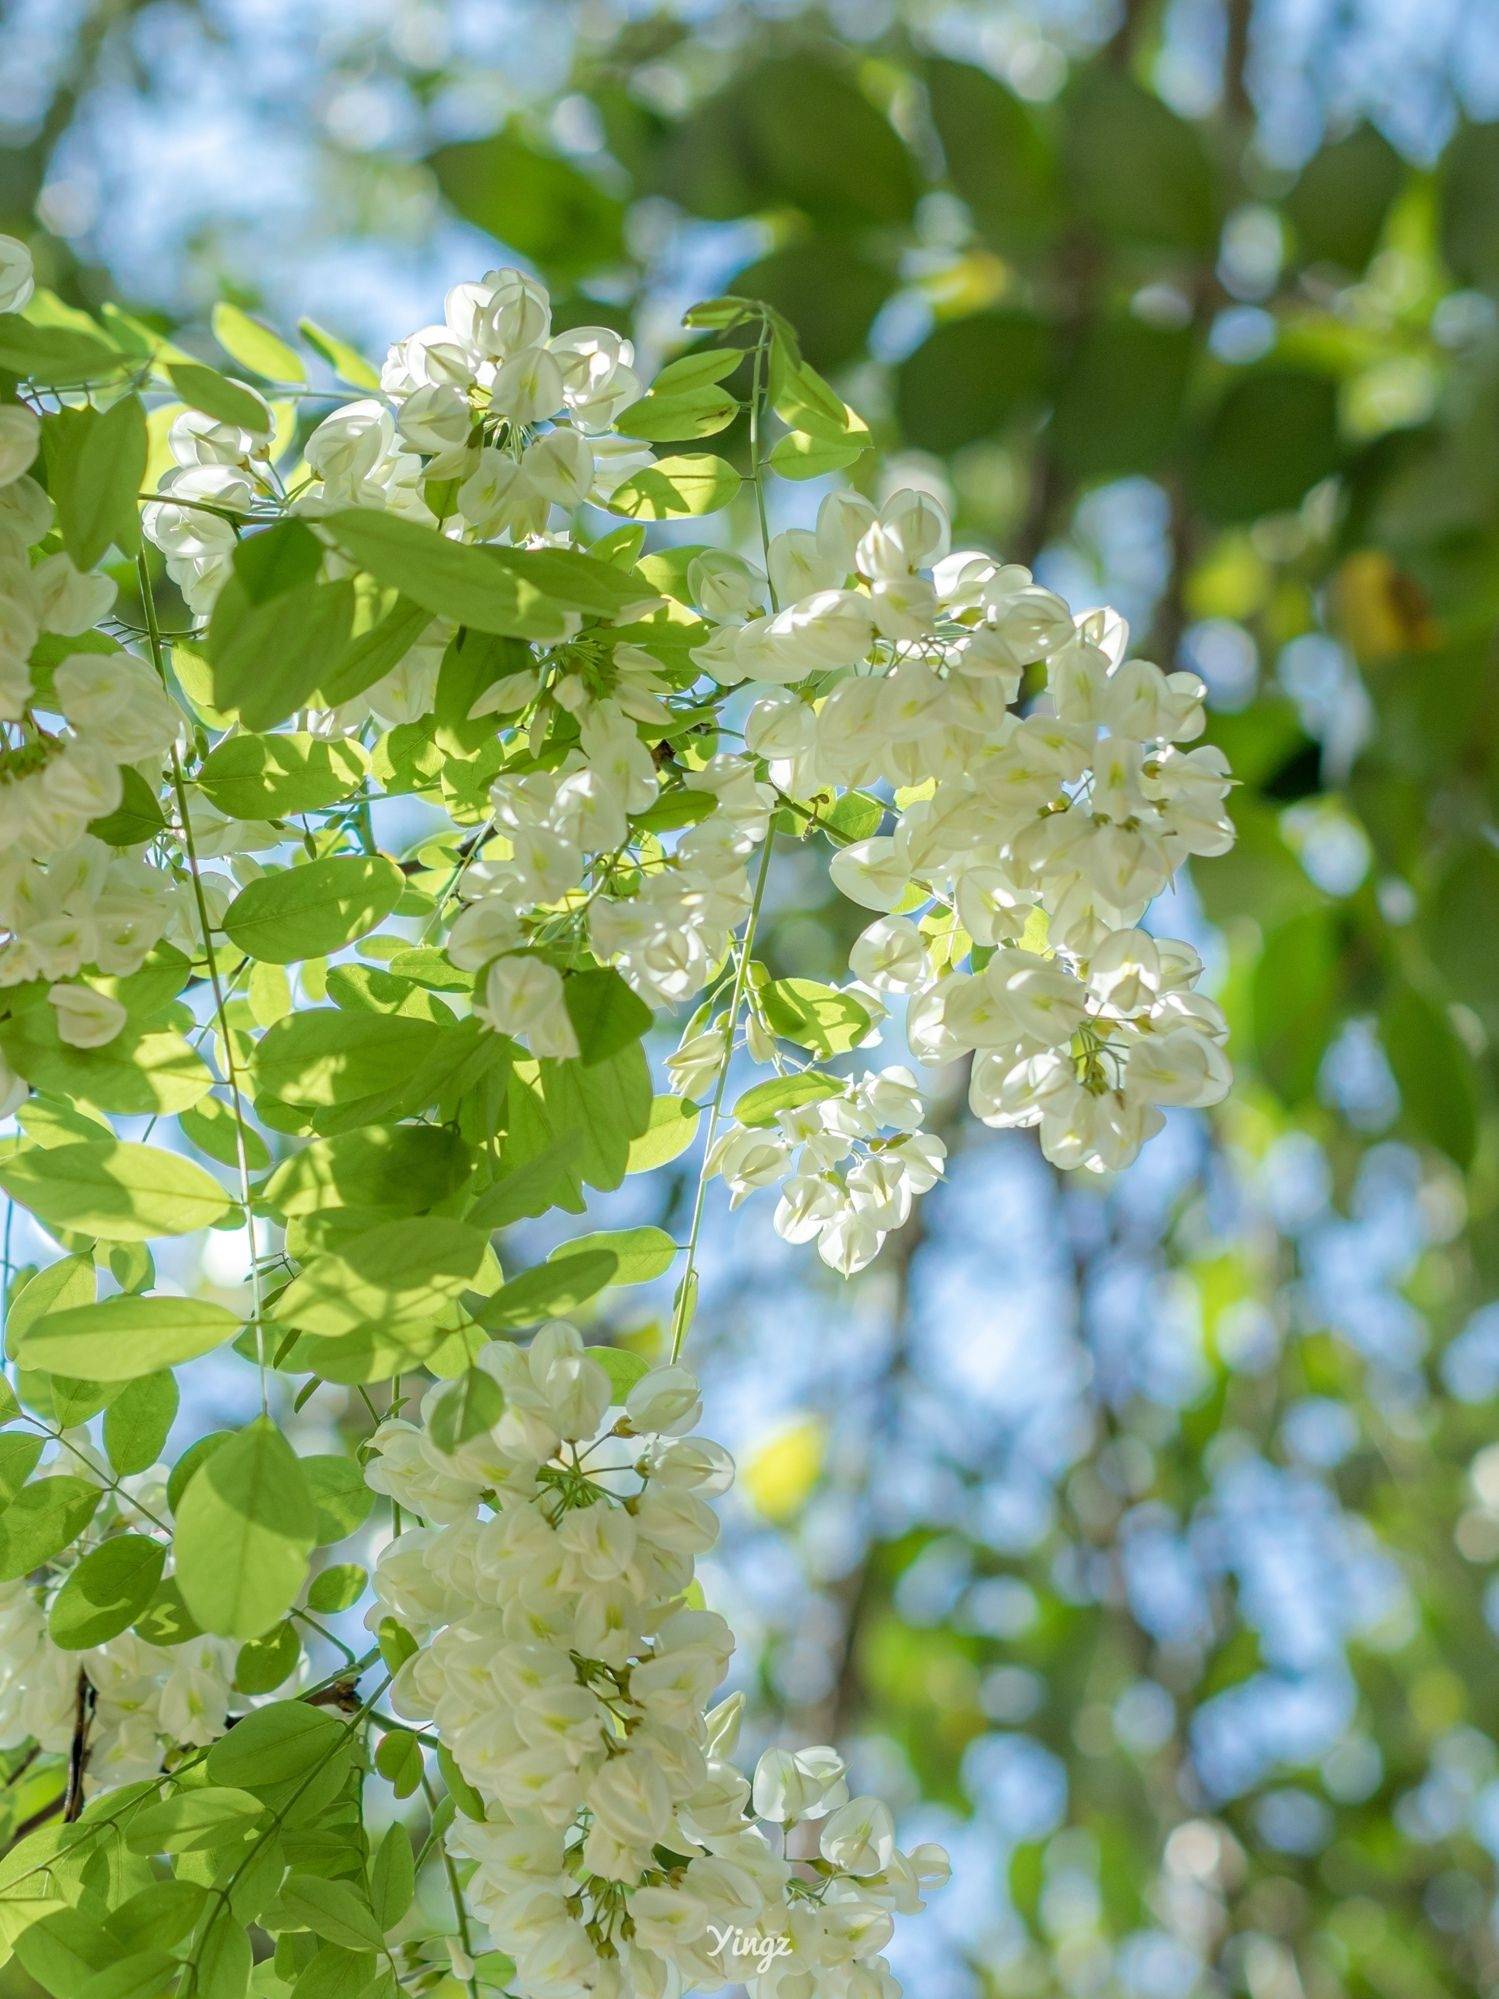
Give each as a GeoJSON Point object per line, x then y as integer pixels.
{"type": "Point", "coordinates": [144, 1699]}
{"type": "Point", "coordinates": [619, 1851]}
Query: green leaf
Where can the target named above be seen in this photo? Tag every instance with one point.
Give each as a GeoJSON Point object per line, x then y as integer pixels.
{"type": "Point", "coordinates": [576, 1272]}
{"type": "Point", "coordinates": [465, 1409]}
{"type": "Point", "coordinates": [1465, 953]}
{"type": "Point", "coordinates": [855, 816]}
{"type": "Point", "coordinates": [814, 1016]}
{"type": "Point", "coordinates": [797, 456]}
{"type": "Point", "coordinates": [392, 1877]}
{"type": "Point", "coordinates": [1295, 994]}
{"type": "Point", "coordinates": [55, 353]}
{"type": "Point", "coordinates": [20, 1452]}
{"type": "Point", "coordinates": [272, 1745]}
{"type": "Point", "coordinates": [137, 1422]}
{"type": "Point", "coordinates": [468, 584]}
{"type": "Point", "coordinates": [666, 416]}
{"type": "Point", "coordinates": [107, 1591]}
{"type": "Point", "coordinates": [340, 1498]}
{"type": "Point", "coordinates": [623, 1367]}
{"type": "Point", "coordinates": [1118, 408]}
{"type": "Point", "coordinates": [143, 1072]}
{"type": "Point", "coordinates": [588, 1112]}
{"type": "Point", "coordinates": [64, 1950]}
{"type": "Point", "coordinates": [162, 1913]}
{"type": "Point", "coordinates": [829, 289]}
{"type": "Point", "coordinates": [269, 777]}
{"type": "Point", "coordinates": [672, 1128]}
{"type": "Point", "coordinates": [117, 1190]}
{"type": "Point", "coordinates": [530, 1189]}
{"type": "Point", "coordinates": [244, 1531]}
{"type": "Point", "coordinates": [1135, 170]}
{"type": "Point", "coordinates": [371, 652]}
{"type": "Point", "coordinates": [805, 402]}
{"type": "Point", "coordinates": [606, 1013]}
{"type": "Point", "coordinates": [699, 366]}
{"type": "Point", "coordinates": [225, 1960]}
{"type": "Point", "coordinates": [96, 462]}
{"type": "Point", "coordinates": [398, 1758]}
{"type": "Point", "coordinates": [541, 205]}
{"type": "Point", "coordinates": [120, 1339]}
{"type": "Point", "coordinates": [137, 818]}
{"type": "Point", "coordinates": [56, 1286]}
{"type": "Point", "coordinates": [382, 1170]}
{"type": "Point", "coordinates": [460, 1789]}
{"type": "Point", "coordinates": [761, 1103]}
{"type": "Point", "coordinates": [314, 909]}
{"type": "Point", "coordinates": [1339, 206]}
{"type": "Point", "coordinates": [1435, 1071]}
{"type": "Point", "coordinates": [337, 1588]}
{"type": "Point", "coordinates": [255, 346]}
{"type": "Point", "coordinates": [325, 1057]}
{"type": "Point", "coordinates": [267, 655]}
{"type": "Point", "coordinates": [225, 401]}
{"type": "Point", "coordinates": [213, 1128]}
{"type": "Point", "coordinates": [331, 1910]}
{"type": "Point", "coordinates": [346, 362]}
{"type": "Point", "coordinates": [41, 1521]}
{"type": "Point", "coordinates": [998, 158]}
{"type": "Point", "coordinates": [579, 582]}
{"type": "Point", "coordinates": [194, 1821]}
{"type": "Point", "coordinates": [196, 1454]}
{"type": "Point", "coordinates": [265, 1663]}
{"type": "Point", "coordinates": [145, 1974]}
{"type": "Point", "coordinates": [334, 1973]}
{"type": "Point", "coordinates": [1272, 438]}
{"type": "Point", "coordinates": [793, 131]}
{"type": "Point", "coordinates": [405, 1277]}
{"type": "Point", "coordinates": [698, 483]}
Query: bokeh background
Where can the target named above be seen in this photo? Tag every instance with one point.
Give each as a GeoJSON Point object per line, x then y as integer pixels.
{"type": "Point", "coordinates": [1140, 1538]}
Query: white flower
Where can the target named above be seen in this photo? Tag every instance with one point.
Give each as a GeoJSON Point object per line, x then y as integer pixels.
{"type": "Point", "coordinates": [889, 955]}
{"type": "Point", "coordinates": [523, 997]}
{"type": "Point", "coordinates": [20, 437]}
{"type": "Point", "coordinates": [527, 387]}
{"type": "Point", "coordinates": [481, 931]}
{"type": "Point", "coordinates": [85, 1018]}
{"type": "Point", "coordinates": [800, 1784]}
{"type": "Point", "coordinates": [664, 1401]}
{"type": "Point", "coordinates": [116, 702]}
{"type": "Point", "coordinates": [859, 1837]}
{"type": "Point", "coordinates": [17, 279]}
{"type": "Point", "coordinates": [747, 1158]}
{"type": "Point", "coordinates": [435, 419]}
{"type": "Point", "coordinates": [70, 601]}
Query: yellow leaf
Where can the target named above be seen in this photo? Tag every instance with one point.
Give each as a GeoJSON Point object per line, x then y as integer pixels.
{"type": "Point", "coordinates": [781, 1471]}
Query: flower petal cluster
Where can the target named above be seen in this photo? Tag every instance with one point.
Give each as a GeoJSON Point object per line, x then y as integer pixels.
{"type": "Point", "coordinates": [563, 1661]}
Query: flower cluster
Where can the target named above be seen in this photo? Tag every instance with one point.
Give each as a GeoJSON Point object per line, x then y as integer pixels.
{"type": "Point", "coordinates": [71, 722]}
{"type": "Point", "coordinates": [848, 1209]}
{"type": "Point", "coordinates": [145, 1699]}
{"type": "Point", "coordinates": [619, 1852]}
{"type": "Point", "coordinates": [1026, 847]}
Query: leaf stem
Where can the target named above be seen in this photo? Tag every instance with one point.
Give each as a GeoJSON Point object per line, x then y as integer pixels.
{"type": "Point", "coordinates": [231, 1065]}
{"type": "Point", "coordinates": [687, 1289]}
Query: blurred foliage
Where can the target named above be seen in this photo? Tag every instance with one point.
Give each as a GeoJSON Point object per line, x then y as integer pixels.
{"type": "Point", "coordinates": [1217, 1706]}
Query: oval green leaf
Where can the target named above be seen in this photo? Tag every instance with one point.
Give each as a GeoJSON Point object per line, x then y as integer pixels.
{"type": "Point", "coordinates": [310, 911]}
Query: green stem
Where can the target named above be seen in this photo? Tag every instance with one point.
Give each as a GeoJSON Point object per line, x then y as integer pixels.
{"type": "Point", "coordinates": [455, 1889]}
{"type": "Point", "coordinates": [687, 1289]}
{"type": "Point", "coordinates": [231, 1065]}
